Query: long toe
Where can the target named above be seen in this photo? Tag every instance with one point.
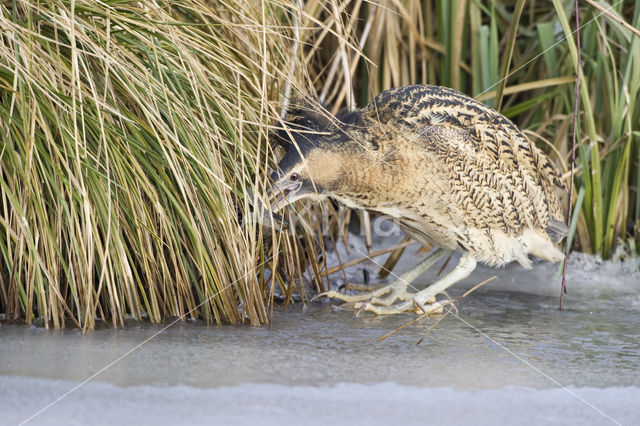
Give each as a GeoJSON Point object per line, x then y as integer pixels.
{"type": "Point", "coordinates": [363, 287]}
{"type": "Point", "coordinates": [428, 308]}
{"type": "Point", "coordinates": [397, 293]}
{"type": "Point", "coordinates": [379, 301]}
{"type": "Point", "coordinates": [399, 308]}
{"type": "Point", "coordinates": [332, 294]}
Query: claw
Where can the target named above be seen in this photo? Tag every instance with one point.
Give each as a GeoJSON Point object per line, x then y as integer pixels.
{"type": "Point", "coordinates": [329, 294]}
{"type": "Point", "coordinates": [422, 302]}
{"type": "Point", "coordinates": [359, 307]}
{"type": "Point", "coordinates": [332, 294]}
{"type": "Point", "coordinates": [399, 308]}
{"type": "Point", "coordinates": [433, 307]}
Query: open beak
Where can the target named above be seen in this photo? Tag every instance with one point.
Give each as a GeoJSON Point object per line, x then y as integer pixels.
{"type": "Point", "coordinates": [280, 200]}
{"type": "Point", "coordinates": [274, 220]}
{"type": "Point", "coordinates": [282, 197]}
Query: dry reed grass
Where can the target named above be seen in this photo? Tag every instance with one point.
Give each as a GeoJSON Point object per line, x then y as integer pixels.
{"type": "Point", "coordinates": [134, 135]}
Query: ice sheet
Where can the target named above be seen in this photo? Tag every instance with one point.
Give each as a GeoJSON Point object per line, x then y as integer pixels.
{"type": "Point", "coordinates": [341, 404]}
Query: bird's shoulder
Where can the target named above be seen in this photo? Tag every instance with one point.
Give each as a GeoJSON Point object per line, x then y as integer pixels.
{"type": "Point", "coordinates": [448, 123]}
{"type": "Point", "coordinates": [484, 158]}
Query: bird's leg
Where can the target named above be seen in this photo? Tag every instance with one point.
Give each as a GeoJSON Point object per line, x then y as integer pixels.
{"type": "Point", "coordinates": [417, 302]}
{"type": "Point", "coordinates": [398, 288]}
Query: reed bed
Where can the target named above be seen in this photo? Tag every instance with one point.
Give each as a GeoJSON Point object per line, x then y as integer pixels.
{"type": "Point", "coordinates": [134, 138]}
{"type": "Point", "coordinates": [135, 135]}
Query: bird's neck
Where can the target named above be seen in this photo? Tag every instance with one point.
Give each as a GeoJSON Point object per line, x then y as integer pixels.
{"type": "Point", "coordinates": [362, 179]}
{"type": "Point", "coordinates": [349, 173]}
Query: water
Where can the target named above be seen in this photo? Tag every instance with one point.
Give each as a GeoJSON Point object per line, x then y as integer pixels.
{"type": "Point", "coordinates": [508, 356]}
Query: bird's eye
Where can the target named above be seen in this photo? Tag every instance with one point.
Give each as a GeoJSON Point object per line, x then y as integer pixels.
{"type": "Point", "coordinates": [294, 177]}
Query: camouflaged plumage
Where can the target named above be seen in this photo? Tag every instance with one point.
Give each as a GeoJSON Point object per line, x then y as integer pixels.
{"type": "Point", "coordinates": [453, 171]}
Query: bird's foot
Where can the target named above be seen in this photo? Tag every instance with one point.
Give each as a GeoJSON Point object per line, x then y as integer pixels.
{"type": "Point", "coordinates": [423, 302]}
{"type": "Point", "coordinates": [413, 305]}
{"type": "Point", "coordinates": [373, 301]}
{"type": "Point", "coordinates": [367, 288]}
{"type": "Point", "coordinates": [396, 291]}
{"type": "Point", "coordinates": [366, 295]}
{"type": "Point", "coordinates": [394, 298]}
{"type": "Point", "coordinates": [391, 293]}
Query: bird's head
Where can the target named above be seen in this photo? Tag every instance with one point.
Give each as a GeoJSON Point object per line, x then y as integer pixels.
{"type": "Point", "coordinates": [292, 179]}
{"type": "Point", "coordinates": [316, 147]}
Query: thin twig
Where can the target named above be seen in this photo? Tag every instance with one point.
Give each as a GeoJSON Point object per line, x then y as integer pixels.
{"type": "Point", "coordinates": [614, 17]}
{"type": "Point", "coordinates": [434, 326]}
{"type": "Point", "coordinates": [444, 265]}
{"type": "Point", "coordinates": [413, 321]}
{"type": "Point", "coordinates": [292, 64]}
{"type": "Point", "coordinates": [576, 105]}
{"type": "Point", "coordinates": [358, 53]}
{"type": "Point", "coordinates": [475, 287]}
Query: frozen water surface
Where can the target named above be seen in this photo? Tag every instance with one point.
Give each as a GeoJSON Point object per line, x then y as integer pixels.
{"type": "Point", "coordinates": [508, 357]}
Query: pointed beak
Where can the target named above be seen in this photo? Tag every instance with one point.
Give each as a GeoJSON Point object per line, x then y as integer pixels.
{"type": "Point", "coordinates": [276, 198]}
{"type": "Point", "coordinates": [282, 196]}
{"type": "Point", "coordinates": [278, 192]}
{"type": "Point", "coordinates": [273, 219]}
{"type": "Point", "coordinates": [280, 221]}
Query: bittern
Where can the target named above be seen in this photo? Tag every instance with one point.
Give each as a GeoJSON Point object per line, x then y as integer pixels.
{"type": "Point", "coordinates": [454, 173]}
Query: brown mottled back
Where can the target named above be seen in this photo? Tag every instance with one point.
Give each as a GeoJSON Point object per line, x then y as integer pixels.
{"type": "Point", "coordinates": [455, 172]}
